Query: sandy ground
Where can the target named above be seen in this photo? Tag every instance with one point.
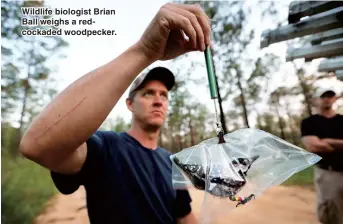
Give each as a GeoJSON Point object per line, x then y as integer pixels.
{"type": "Point", "coordinates": [278, 205]}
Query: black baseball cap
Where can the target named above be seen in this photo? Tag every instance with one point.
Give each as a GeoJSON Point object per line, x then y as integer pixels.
{"type": "Point", "coordinates": [158, 73]}
{"type": "Point", "coordinates": [327, 91]}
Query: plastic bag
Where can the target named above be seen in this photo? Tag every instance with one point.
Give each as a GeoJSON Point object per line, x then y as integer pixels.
{"type": "Point", "coordinates": [234, 173]}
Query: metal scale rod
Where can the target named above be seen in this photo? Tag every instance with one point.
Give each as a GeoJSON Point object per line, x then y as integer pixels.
{"type": "Point", "coordinates": [213, 89]}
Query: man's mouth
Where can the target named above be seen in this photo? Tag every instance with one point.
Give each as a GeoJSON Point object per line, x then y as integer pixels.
{"type": "Point", "coordinates": [157, 112]}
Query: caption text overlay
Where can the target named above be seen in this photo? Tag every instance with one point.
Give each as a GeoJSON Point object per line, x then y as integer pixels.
{"type": "Point", "coordinates": [44, 21]}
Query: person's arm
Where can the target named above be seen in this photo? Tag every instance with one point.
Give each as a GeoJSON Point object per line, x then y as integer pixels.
{"type": "Point", "coordinates": [311, 142]}
{"type": "Point", "coordinates": [56, 138]}
{"type": "Point", "coordinates": [316, 145]}
{"type": "Point", "coordinates": [78, 111]}
{"type": "Point", "coordinates": [337, 144]}
{"type": "Point", "coordinates": [188, 219]}
{"type": "Point", "coordinates": [183, 208]}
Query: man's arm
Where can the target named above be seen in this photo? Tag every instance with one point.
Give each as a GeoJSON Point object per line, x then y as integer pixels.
{"type": "Point", "coordinates": [310, 139]}
{"type": "Point", "coordinates": [188, 219]}
{"type": "Point", "coordinates": [56, 138]}
{"type": "Point", "coordinates": [336, 144]}
{"type": "Point", "coordinates": [316, 145]}
{"type": "Point", "coordinates": [183, 208]}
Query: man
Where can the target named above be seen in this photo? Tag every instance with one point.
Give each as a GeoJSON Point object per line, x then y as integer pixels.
{"type": "Point", "coordinates": [127, 177]}
{"type": "Point", "coordinates": [323, 134]}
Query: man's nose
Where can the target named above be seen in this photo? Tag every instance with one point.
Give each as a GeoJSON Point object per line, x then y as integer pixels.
{"type": "Point", "coordinates": [157, 104]}
{"type": "Point", "coordinates": [157, 101]}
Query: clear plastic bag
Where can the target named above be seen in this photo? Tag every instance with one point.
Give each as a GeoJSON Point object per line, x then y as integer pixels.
{"type": "Point", "coordinates": [238, 171]}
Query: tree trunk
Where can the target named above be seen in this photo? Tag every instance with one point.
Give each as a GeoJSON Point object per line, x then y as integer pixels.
{"type": "Point", "coordinates": [259, 122]}
{"type": "Point", "coordinates": [294, 139]}
{"type": "Point", "coordinates": [192, 132]}
{"type": "Point", "coordinates": [220, 101]}
{"type": "Point", "coordinates": [277, 106]}
{"type": "Point", "coordinates": [160, 141]}
{"type": "Point", "coordinates": [172, 141]}
{"type": "Point", "coordinates": [244, 107]}
{"type": "Point", "coordinates": [180, 139]}
{"type": "Point", "coordinates": [26, 90]}
{"type": "Point", "coordinates": [23, 109]}
{"type": "Point", "coordinates": [304, 89]}
{"type": "Point", "coordinates": [307, 97]}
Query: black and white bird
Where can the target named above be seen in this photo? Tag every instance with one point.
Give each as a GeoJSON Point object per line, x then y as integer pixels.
{"type": "Point", "coordinates": [223, 180]}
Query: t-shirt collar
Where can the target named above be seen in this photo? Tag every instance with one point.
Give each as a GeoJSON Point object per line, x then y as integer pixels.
{"type": "Point", "coordinates": [125, 134]}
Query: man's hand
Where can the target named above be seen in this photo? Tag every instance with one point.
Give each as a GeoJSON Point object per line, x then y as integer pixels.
{"type": "Point", "coordinates": [337, 144]}
{"type": "Point", "coordinates": [164, 38]}
{"type": "Point", "coordinates": [316, 145]}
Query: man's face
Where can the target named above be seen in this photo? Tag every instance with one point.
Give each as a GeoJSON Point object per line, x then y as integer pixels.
{"type": "Point", "coordinates": [326, 100]}
{"type": "Point", "coordinates": [150, 104]}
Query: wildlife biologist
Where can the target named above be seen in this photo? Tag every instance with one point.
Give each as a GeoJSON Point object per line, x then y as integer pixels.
{"type": "Point", "coordinates": [127, 176]}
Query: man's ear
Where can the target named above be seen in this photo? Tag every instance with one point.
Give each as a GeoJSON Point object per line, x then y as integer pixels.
{"type": "Point", "coordinates": [129, 104]}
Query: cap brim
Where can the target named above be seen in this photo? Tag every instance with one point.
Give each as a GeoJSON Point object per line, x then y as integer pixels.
{"type": "Point", "coordinates": [333, 93]}
{"type": "Point", "coordinates": [161, 74]}
{"type": "Point", "coordinates": [158, 73]}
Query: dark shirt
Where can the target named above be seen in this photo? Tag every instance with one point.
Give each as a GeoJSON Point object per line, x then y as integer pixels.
{"type": "Point", "coordinates": [324, 127]}
{"type": "Point", "coordinates": [126, 182]}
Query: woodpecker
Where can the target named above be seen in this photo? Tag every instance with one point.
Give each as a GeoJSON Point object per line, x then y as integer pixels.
{"type": "Point", "coordinates": [223, 182]}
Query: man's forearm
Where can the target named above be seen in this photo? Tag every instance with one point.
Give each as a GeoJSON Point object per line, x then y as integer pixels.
{"type": "Point", "coordinates": [316, 145]}
{"type": "Point", "coordinates": [80, 109]}
{"type": "Point", "coordinates": [321, 148]}
{"type": "Point", "coordinates": [337, 144]}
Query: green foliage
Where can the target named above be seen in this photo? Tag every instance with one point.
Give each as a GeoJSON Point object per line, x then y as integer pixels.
{"type": "Point", "coordinates": [25, 188]}
{"type": "Point", "coordinates": [304, 177]}
{"type": "Point", "coordinates": [305, 87]}
{"type": "Point", "coordinates": [9, 139]}
{"type": "Point", "coordinates": [117, 125]}
{"type": "Point", "coordinates": [268, 123]}
{"type": "Point", "coordinates": [24, 63]}
{"type": "Point", "coordinates": [25, 83]}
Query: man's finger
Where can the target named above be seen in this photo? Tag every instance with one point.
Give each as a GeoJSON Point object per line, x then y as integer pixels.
{"type": "Point", "coordinates": [194, 20]}
{"type": "Point", "coordinates": [203, 19]}
{"type": "Point", "coordinates": [185, 45]}
{"type": "Point", "coordinates": [177, 21]}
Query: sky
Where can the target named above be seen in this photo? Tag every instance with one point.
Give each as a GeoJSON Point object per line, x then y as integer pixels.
{"type": "Point", "coordinates": [85, 54]}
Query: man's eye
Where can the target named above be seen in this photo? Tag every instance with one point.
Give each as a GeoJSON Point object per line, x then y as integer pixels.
{"type": "Point", "coordinates": [148, 94]}
{"type": "Point", "coordinates": [164, 96]}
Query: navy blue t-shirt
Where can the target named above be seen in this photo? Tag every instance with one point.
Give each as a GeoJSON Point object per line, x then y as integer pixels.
{"type": "Point", "coordinates": [126, 182]}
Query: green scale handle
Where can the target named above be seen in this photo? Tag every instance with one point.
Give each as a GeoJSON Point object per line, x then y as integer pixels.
{"type": "Point", "coordinates": [210, 73]}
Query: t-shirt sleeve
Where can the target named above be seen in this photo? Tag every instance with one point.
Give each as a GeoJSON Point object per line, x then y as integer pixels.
{"type": "Point", "coordinates": [183, 203]}
{"type": "Point", "coordinates": [307, 128]}
{"type": "Point", "coordinates": [96, 155]}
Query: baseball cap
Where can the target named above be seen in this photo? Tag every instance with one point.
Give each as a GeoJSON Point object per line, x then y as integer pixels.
{"type": "Point", "coordinates": [158, 73]}
{"type": "Point", "coordinates": [320, 91]}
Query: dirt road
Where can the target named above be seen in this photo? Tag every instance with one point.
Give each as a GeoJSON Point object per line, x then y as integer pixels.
{"type": "Point", "coordinates": [278, 205]}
